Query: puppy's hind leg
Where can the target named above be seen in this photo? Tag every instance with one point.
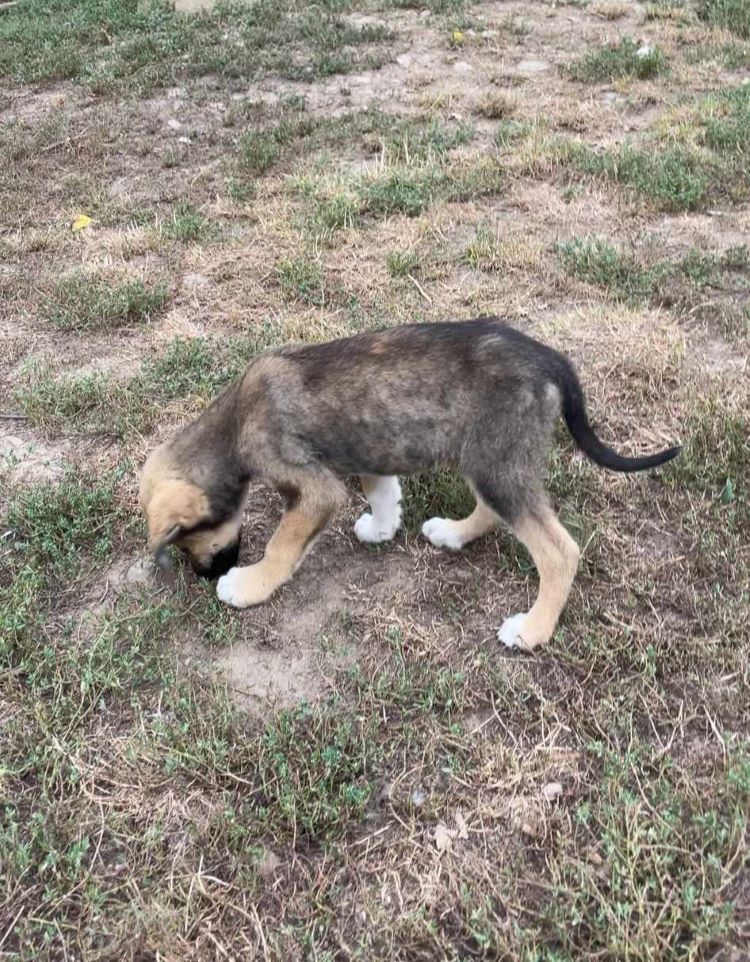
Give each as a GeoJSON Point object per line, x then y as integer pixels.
{"type": "Point", "coordinates": [555, 555]}
{"type": "Point", "coordinates": [384, 495]}
{"type": "Point", "coordinates": [454, 535]}
{"type": "Point", "coordinates": [312, 500]}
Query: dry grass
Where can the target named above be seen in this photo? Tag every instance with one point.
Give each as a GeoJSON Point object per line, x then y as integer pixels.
{"type": "Point", "coordinates": [610, 9]}
{"type": "Point", "coordinates": [371, 777]}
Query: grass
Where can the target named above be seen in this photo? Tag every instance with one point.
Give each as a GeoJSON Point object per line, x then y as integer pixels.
{"type": "Point", "coordinates": [633, 278]}
{"type": "Point", "coordinates": [55, 527]}
{"type": "Point", "coordinates": [416, 792]}
{"type": "Point", "coordinates": [626, 61]}
{"type": "Point", "coordinates": [715, 457]}
{"type": "Point", "coordinates": [83, 302]}
{"type": "Point", "coordinates": [394, 188]}
{"type": "Point", "coordinates": [401, 263]}
{"type": "Point", "coordinates": [441, 494]}
{"type": "Point", "coordinates": [487, 251]}
{"type": "Point", "coordinates": [111, 46]}
{"type": "Point", "coordinates": [673, 177]}
{"type": "Point", "coordinates": [641, 836]}
{"type": "Point", "coordinates": [697, 158]}
{"type": "Point", "coordinates": [190, 371]}
{"type": "Point", "coordinates": [186, 225]}
{"type": "Point", "coordinates": [302, 279]}
{"type": "Point", "coordinates": [730, 14]}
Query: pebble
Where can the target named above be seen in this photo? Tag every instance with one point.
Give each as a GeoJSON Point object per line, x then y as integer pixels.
{"type": "Point", "coordinates": [141, 572]}
{"type": "Point", "coordinates": [533, 66]}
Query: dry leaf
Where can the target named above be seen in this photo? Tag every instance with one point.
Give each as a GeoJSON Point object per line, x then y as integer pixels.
{"type": "Point", "coordinates": [81, 222]}
{"type": "Point", "coordinates": [444, 837]}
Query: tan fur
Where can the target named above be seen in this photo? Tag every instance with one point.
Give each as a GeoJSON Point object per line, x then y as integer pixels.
{"type": "Point", "coordinates": [556, 556]}
{"type": "Point", "coordinates": [174, 503]}
{"type": "Point", "coordinates": [481, 521]}
{"type": "Point", "coordinates": [300, 525]}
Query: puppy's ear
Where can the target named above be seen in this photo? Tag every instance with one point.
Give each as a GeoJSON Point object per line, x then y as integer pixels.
{"type": "Point", "coordinates": [159, 547]}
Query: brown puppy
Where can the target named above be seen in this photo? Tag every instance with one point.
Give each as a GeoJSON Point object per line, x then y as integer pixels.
{"type": "Point", "coordinates": [477, 396]}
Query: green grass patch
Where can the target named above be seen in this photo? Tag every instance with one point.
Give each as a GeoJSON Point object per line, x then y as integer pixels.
{"type": "Point", "coordinates": [673, 177]}
{"type": "Point", "coordinates": [401, 263]}
{"type": "Point", "coordinates": [626, 61]}
{"type": "Point", "coordinates": [54, 527]}
{"type": "Point", "coordinates": [186, 225]}
{"type": "Point", "coordinates": [83, 302]}
{"type": "Point", "coordinates": [597, 262]}
{"type": "Point", "coordinates": [437, 494]}
{"type": "Point", "coordinates": [408, 189]}
{"type": "Point", "coordinates": [629, 278]}
{"type": "Point", "coordinates": [88, 403]}
{"type": "Point", "coordinates": [661, 836]}
{"type": "Point", "coordinates": [302, 279]}
{"type": "Point", "coordinates": [109, 44]}
{"type": "Point", "coordinates": [723, 122]}
{"type": "Point", "coordinates": [702, 156]}
{"type": "Point", "coordinates": [732, 15]}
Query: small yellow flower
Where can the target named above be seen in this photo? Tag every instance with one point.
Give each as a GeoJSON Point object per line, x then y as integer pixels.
{"type": "Point", "coordinates": [458, 37]}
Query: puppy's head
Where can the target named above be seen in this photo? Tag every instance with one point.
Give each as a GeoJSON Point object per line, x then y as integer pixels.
{"type": "Point", "coordinates": [180, 512]}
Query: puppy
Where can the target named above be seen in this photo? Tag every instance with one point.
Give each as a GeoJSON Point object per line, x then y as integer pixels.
{"type": "Point", "coordinates": [477, 396]}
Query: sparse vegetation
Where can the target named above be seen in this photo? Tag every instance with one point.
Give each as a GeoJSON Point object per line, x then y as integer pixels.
{"type": "Point", "coordinates": [733, 15]}
{"type": "Point", "coordinates": [627, 60]}
{"type": "Point", "coordinates": [401, 263]}
{"type": "Point", "coordinates": [408, 188]}
{"type": "Point", "coordinates": [301, 278]}
{"type": "Point", "coordinates": [358, 770]}
{"type": "Point", "coordinates": [84, 302]}
{"type": "Point", "coordinates": [186, 225]}
{"type": "Point", "coordinates": [143, 45]}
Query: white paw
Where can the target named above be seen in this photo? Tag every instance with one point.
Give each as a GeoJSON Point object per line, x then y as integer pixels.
{"type": "Point", "coordinates": [369, 530]}
{"type": "Point", "coordinates": [442, 533]}
{"type": "Point", "coordinates": [510, 631]}
{"type": "Point", "coordinates": [228, 588]}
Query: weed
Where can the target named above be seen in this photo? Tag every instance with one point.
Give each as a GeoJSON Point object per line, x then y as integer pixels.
{"type": "Point", "coordinates": [655, 893]}
{"type": "Point", "coordinates": [625, 61]}
{"type": "Point", "coordinates": [669, 282]}
{"type": "Point", "coordinates": [597, 262]}
{"type": "Point", "coordinates": [401, 263]}
{"type": "Point", "coordinates": [84, 302]}
{"type": "Point", "coordinates": [88, 402]}
{"type": "Point", "coordinates": [55, 527]}
{"type": "Point", "coordinates": [186, 225]}
{"type": "Point", "coordinates": [302, 279]}
{"type": "Point", "coordinates": [497, 105]}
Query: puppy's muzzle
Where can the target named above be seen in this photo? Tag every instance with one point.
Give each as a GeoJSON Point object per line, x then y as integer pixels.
{"type": "Point", "coordinates": [221, 562]}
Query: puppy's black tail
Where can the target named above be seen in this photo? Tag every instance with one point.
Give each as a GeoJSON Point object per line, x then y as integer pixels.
{"type": "Point", "coordinates": [574, 412]}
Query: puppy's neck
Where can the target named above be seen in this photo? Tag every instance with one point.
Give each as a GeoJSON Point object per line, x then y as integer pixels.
{"type": "Point", "coordinates": [206, 451]}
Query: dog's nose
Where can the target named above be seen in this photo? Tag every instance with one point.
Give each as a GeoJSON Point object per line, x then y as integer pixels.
{"type": "Point", "coordinates": [221, 562]}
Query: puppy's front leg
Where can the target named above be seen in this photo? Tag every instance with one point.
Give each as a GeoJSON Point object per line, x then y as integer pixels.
{"type": "Point", "coordinates": [311, 503]}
